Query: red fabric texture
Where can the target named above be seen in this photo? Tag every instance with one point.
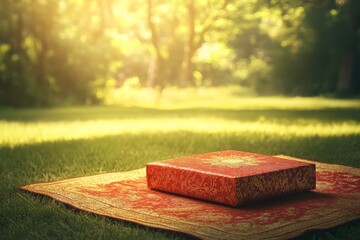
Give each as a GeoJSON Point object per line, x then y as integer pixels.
{"type": "Point", "coordinates": [125, 195]}
{"type": "Point", "coordinates": [231, 177]}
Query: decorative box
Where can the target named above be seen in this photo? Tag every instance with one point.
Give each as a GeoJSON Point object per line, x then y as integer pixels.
{"type": "Point", "coordinates": [231, 177]}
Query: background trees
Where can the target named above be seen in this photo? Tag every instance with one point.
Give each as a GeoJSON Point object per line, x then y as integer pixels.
{"type": "Point", "coordinates": [56, 51]}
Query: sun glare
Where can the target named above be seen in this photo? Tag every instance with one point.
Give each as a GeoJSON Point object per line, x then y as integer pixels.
{"type": "Point", "coordinates": [17, 133]}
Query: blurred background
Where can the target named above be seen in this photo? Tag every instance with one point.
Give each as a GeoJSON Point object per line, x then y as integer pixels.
{"type": "Point", "coordinates": [182, 77]}
{"type": "Point", "coordinates": [64, 52]}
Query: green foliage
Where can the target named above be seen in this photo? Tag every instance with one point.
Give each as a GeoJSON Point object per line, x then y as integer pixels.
{"type": "Point", "coordinates": [301, 45]}
{"type": "Point", "coordinates": [66, 51]}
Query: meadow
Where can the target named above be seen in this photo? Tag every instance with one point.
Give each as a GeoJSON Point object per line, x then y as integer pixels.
{"type": "Point", "coordinates": [38, 145]}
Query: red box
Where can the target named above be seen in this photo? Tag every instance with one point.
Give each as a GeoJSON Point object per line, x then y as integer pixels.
{"type": "Point", "coordinates": [231, 177]}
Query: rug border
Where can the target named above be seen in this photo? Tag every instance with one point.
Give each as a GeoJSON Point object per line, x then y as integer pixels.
{"type": "Point", "coordinates": [72, 207]}
{"type": "Point", "coordinates": [324, 226]}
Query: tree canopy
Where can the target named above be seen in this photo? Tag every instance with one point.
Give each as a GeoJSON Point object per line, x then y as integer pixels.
{"type": "Point", "coordinates": [56, 51]}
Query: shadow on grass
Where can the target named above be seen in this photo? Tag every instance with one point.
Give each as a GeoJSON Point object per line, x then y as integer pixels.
{"type": "Point", "coordinates": [106, 112]}
{"type": "Point", "coordinates": [49, 161]}
{"type": "Point", "coordinates": [350, 230]}
{"type": "Point", "coordinates": [125, 152]}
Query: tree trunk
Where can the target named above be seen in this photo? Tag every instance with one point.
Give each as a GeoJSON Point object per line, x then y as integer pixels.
{"type": "Point", "coordinates": [42, 34]}
{"type": "Point", "coordinates": [345, 81]}
{"type": "Point", "coordinates": [155, 70]}
{"type": "Point", "coordinates": [106, 14]}
{"type": "Point", "coordinates": [175, 58]}
{"type": "Point", "coordinates": [41, 63]}
{"type": "Point", "coordinates": [190, 46]}
{"type": "Point", "coordinates": [196, 40]}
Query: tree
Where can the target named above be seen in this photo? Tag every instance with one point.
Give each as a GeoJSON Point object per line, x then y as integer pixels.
{"type": "Point", "coordinates": [350, 11]}
{"type": "Point", "coordinates": [195, 39]}
{"type": "Point", "coordinates": [56, 51]}
{"type": "Point", "coordinates": [156, 66]}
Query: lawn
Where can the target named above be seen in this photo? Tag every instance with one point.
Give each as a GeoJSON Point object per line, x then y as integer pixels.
{"type": "Point", "coordinates": [38, 145]}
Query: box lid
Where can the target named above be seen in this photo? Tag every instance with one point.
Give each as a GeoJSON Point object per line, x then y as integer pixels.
{"type": "Point", "coordinates": [231, 163]}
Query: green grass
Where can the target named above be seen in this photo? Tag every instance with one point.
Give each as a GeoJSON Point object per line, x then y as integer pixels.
{"type": "Point", "coordinates": [38, 145]}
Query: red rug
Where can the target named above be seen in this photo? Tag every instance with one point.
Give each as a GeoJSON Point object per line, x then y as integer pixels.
{"type": "Point", "coordinates": [125, 196]}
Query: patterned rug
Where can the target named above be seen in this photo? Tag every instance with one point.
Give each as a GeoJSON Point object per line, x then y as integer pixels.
{"type": "Point", "coordinates": [125, 196]}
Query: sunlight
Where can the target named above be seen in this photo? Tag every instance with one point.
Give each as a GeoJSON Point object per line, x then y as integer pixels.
{"type": "Point", "coordinates": [224, 97]}
{"type": "Point", "coordinates": [16, 133]}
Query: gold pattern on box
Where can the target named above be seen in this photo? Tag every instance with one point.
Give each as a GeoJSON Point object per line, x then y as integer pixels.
{"type": "Point", "coordinates": [124, 195]}
{"type": "Point", "coordinates": [233, 161]}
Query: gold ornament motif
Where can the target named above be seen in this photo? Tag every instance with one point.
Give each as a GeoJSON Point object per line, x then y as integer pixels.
{"type": "Point", "coordinates": [125, 196]}
{"type": "Point", "coordinates": [233, 161]}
